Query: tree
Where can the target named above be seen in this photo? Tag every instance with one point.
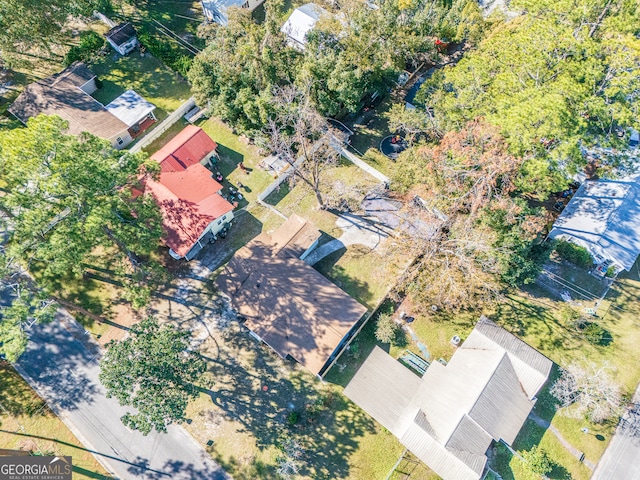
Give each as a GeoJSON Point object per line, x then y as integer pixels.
{"type": "Point", "coordinates": [71, 203]}
{"type": "Point", "coordinates": [29, 304]}
{"type": "Point", "coordinates": [481, 235]}
{"type": "Point", "coordinates": [537, 462]}
{"type": "Point", "coordinates": [35, 23]}
{"type": "Point", "coordinates": [154, 371]}
{"type": "Point", "coordinates": [412, 121]}
{"type": "Point", "coordinates": [302, 137]}
{"type": "Point", "coordinates": [567, 80]}
{"type": "Point", "coordinates": [588, 391]}
{"type": "Point", "coordinates": [386, 328]}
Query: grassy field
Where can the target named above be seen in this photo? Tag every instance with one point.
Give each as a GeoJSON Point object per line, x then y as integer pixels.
{"type": "Point", "coordinates": [27, 424]}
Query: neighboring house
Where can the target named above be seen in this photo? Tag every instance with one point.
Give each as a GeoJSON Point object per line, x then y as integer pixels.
{"type": "Point", "coordinates": [122, 38]}
{"type": "Point", "coordinates": [216, 10]}
{"type": "Point", "coordinates": [604, 217]}
{"type": "Point", "coordinates": [193, 210]}
{"type": "Point", "coordinates": [450, 417]}
{"type": "Point", "coordinates": [68, 95]}
{"type": "Point", "coordinates": [287, 304]}
{"type": "Point", "coordinates": [192, 145]}
{"type": "Point", "coordinates": [300, 23]}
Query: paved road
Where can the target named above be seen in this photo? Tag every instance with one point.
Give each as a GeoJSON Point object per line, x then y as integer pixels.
{"type": "Point", "coordinates": [61, 364]}
{"type": "Point", "coordinates": [621, 460]}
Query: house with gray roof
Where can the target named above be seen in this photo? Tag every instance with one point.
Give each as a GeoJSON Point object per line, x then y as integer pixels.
{"type": "Point", "coordinates": [68, 95]}
{"type": "Point", "coordinates": [450, 417]}
{"type": "Point", "coordinates": [216, 10]}
{"type": "Point", "coordinates": [604, 217]}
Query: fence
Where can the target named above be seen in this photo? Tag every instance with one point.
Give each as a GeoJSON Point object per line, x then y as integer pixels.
{"type": "Point", "coordinates": [104, 19]}
{"type": "Point", "coordinates": [164, 125]}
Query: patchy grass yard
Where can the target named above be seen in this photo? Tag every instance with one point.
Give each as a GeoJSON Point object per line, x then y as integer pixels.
{"type": "Point", "coordinates": [26, 423]}
{"type": "Point", "coordinates": [147, 75]}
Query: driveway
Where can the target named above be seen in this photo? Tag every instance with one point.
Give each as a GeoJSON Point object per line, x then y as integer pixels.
{"type": "Point", "coordinates": [621, 459]}
{"type": "Point", "coordinates": [61, 364]}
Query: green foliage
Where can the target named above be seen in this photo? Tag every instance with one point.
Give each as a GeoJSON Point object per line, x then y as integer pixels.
{"type": "Point", "coordinates": [594, 333]}
{"type": "Point", "coordinates": [538, 461]}
{"type": "Point", "coordinates": [153, 371]}
{"type": "Point", "coordinates": [574, 253]}
{"type": "Point", "coordinates": [386, 328]}
{"type": "Point", "coordinates": [71, 202]}
{"type": "Point", "coordinates": [561, 76]}
{"type": "Point", "coordinates": [171, 54]}
{"type": "Point", "coordinates": [293, 418]}
{"type": "Point", "coordinates": [35, 23]}
{"type": "Point", "coordinates": [90, 43]}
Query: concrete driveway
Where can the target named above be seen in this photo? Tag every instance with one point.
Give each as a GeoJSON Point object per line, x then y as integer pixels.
{"type": "Point", "coordinates": [61, 364]}
{"type": "Point", "coordinates": [621, 459]}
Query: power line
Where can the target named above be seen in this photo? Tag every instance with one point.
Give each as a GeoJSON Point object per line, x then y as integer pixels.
{"type": "Point", "coordinates": [179, 39]}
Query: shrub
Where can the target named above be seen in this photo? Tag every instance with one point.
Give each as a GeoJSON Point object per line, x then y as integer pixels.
{"type": "Point", "coordinates": [386, 329]}
{"type": "Point", "coordinates": [595, 334]}
{"type": "Point", "coordinates": [171, 55]}
{"type": "Point", "coordinates": [538, 461]}
{"type": "Point", "coordinates": [575, 254]}
{"type": "Point", "coordinates": [90, 43]}
{"type": "Point", "coordinates": [293, 418]}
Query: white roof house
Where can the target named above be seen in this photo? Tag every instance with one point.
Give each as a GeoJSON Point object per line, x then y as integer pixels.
{"type": "Point", "coordinates": [604, 217]}
{"type": "Point", "coordinates": [301, 22]}
{"type": "Point", "coordinates": [450, 416]}
{"type": "Point", "coordinates": [130, 108]}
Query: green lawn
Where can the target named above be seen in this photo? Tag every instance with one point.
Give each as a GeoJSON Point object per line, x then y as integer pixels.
{"type": "Point", "coordinates": [368, 136]}
{"type": "Point", "coordinates": [26, 423]}
{"type": "Point", "coordinates": [147, 75]}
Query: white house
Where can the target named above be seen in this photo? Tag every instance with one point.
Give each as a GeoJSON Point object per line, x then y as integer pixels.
{"type": "Point", "coordinates": [300, 23]}
{"type": "Point", "coordinates": [122, 38]}
{"type": "Point", "coordinates": [216, 10]}
{"type": "Point", "coordinates": [604, 217]}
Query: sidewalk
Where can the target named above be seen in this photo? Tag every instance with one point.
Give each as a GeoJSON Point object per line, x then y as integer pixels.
{"type": "Point", "coordinates": [621, 459]}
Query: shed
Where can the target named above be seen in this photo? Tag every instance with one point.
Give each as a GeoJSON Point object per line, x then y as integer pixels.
{"type": "Point", "coordinates": [122, 38]}
{"type": "Point", "coordinates": [216, 10]}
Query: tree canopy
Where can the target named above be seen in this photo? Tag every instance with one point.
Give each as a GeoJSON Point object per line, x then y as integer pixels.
{"type": "Point", "coordinates": [153, 371]}
{"type": "Point", "coordinates": [70, 202]}
{"type": "Point", "coordinates": [562, 76]}
{"type": "Point", "coordinates": [39, 23]}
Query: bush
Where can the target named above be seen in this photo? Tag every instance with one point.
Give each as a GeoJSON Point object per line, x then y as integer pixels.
{"type": "Point", "coordinates": [90, 44]}
{"type": "Point", "coordinates": [575, 254]}
{"type": "Point", "coordinates": [171, 55]}
{"type": "Point", "coordinates": [293, 418]}
{"type": "Point", "coordinates": [538, 461]}
{"type": "Point", "coordinates": [595, 334]}
{"type": "Point", "coordinates": [386, 329]}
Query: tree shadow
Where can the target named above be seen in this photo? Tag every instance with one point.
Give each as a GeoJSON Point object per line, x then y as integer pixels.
{"type": "Point", "coordinates": [16, 398]}
{"type": "Point", "coordinates": [55, 358]}
{"type": "Point", "coordinates": [262, 392]}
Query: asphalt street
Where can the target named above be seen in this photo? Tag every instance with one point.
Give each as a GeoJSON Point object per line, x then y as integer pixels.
{"type": "Point", "coordinates": [61, 363]}
{"type": "Point", "coordinates": [621, 460]}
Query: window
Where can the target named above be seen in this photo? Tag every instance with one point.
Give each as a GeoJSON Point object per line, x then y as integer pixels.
{"type": "Point", "coordinates": [224, 218]}
{"type": "Point", "coordinates": [219, 222]}
{"type": "Point", "coordinates": [120, 141]}
{"type": "Point", "coordinates": [245, 5]}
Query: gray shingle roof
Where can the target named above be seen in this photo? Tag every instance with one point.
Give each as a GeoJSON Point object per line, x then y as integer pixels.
{"type": "Point", "coordinates": [449, 417]}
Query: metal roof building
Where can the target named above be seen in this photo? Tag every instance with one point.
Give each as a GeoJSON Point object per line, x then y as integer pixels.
{"type": "Point", "coordinates": [450, 416]}
{"type": "Point", "coordinates": [301, 22]}
{"type": "Point", "coordinates": [604, 217]}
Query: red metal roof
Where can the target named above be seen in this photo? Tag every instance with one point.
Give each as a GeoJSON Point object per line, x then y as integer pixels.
{"type": "Point", "coordinates": [187, 148]}
{"type": "Point", "coordinates": [189, 202]}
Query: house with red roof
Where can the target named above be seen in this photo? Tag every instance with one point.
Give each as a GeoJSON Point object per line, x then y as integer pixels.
{"type": "Point", "coordinates": [193, 210]}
